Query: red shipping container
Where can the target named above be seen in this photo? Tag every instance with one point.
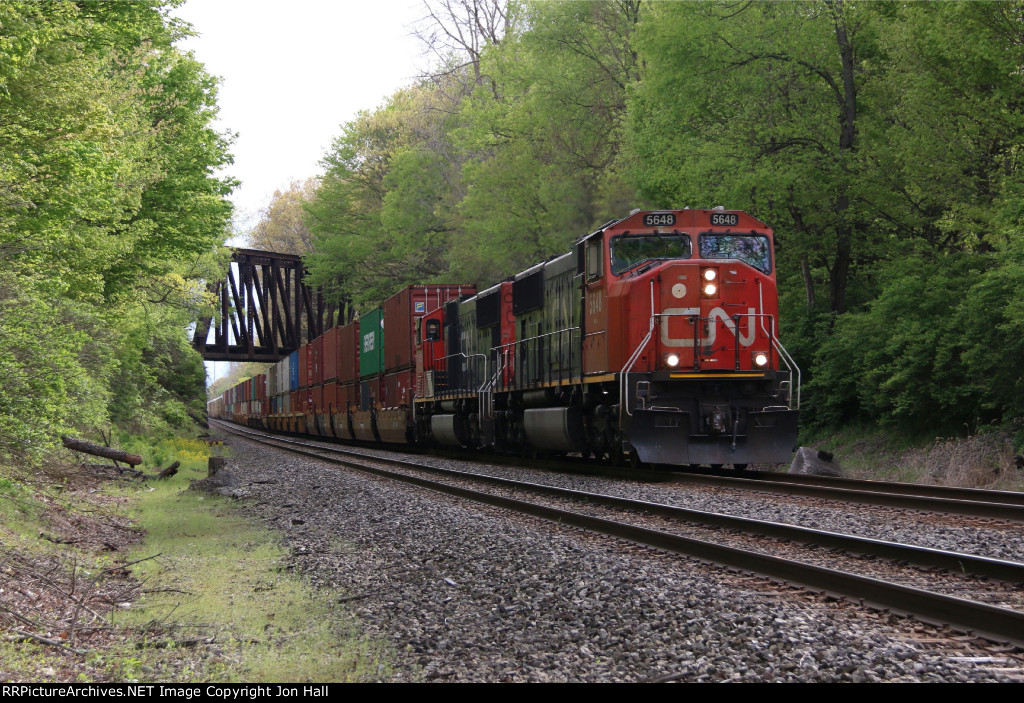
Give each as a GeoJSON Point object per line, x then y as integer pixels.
{"type": "Point", "coordinates": [316, 371]}
{"type": "Point", "coordinates": [303, 366]}
{"type": "Point", "coordinates": [397, 389]}
{"type": "Point", "coordinates": [400, 313]}
{"type": "Point", "coordinates": [329, 360]}
{"type": "Point", "coordinates": [348, 397]}
{"type": "Point", "coordinates": [330, 398]}
{"type": "Point", "coordinates": [369, 393]}
{"type": "Point", "coordinates": [348, 353]}
{"type": "Point", "coordinates": [296, 402]}
{"type": "Point", "coordinates": [318, 400]}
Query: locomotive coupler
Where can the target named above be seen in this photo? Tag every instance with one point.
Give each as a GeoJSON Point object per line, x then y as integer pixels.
{"type": "Point", "coordinates": [718, 421]}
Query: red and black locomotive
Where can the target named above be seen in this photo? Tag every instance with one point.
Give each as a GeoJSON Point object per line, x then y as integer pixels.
{"type": "Point", "coordinates": [655, 339]}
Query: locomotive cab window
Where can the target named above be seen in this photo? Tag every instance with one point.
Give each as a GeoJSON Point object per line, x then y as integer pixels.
{"type": "Point", "coordinates": [433, 330]}
{"type": "Point", "coordinates": [752, 249]}
{"type": "Point", "coordinates": [595, 262]}
{"type": "Point", "coordinates": [634, 249]}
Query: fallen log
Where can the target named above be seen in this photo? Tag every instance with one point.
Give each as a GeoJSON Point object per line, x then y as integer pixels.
{"type": "Point", "coordinates": [169, 471]}
{"type": "Point", "coordinates": [80, 445]}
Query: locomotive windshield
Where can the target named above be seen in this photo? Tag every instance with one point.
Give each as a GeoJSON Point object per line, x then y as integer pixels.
{"type": "Point", "coordinates": [633, 249]}
{"type": "Point", "coordinates": [751, 249]}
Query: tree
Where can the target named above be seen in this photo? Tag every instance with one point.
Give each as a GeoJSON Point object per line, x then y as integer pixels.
{"type": "Point", "coordinates": [456, 33]}
{"type": "Point", "coordinates": [759, 106]}
{"type": "Point", "coordinates": [543, 149]}
{"type": "Point", "coordinates": [282, 227]}
{"type": "Point", "coordinates": [109, 214]}
{"type": "Point", "coordinates": [382, 214]}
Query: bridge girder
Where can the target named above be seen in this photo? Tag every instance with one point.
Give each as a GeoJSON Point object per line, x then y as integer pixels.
{"type": "Point", "coordinates": [266, 310]}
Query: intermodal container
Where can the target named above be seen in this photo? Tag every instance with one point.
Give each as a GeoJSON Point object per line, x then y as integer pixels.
{"type": "Point", "coordinates": [371, 343]}
{"type": "Point", "coordinates": [293, 371]}
{"type": "Point", "coordinates": [348, 353]}
{"type": "Point", "coordinates": [397, 389]}
{"type": "Point", "coordinates": [316, 369]}
{"type": "Point", "coordinates": [330, 397]}
{"type": "Point", "coordinates": [329, 360]}
{"type": "Point", "coordinates": [400, 314]}
{"type": "Point", "coordinates": [369, 393]}
{"type": "Point", "coordinates": [348, 397]}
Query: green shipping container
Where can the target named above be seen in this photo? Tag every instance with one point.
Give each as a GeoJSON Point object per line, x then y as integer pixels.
{"type": "Point", "coordinates": [371, 343]}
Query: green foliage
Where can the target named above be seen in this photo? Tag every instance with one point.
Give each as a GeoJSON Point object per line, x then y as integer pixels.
{"type": "Point", "coordinates": [880, 140]}
{"type": "Point", "coordinates": [47, 380]}
{"type": "Point", "coordinates": [108, 217]}
{"type": "Point", "coordinates": [486, 168]}
{"type": "Point", "coordinates": [933, 355]}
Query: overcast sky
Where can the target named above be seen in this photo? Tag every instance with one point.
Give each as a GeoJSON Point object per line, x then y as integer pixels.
{"type": "Point", "coordinates": [293, 73]}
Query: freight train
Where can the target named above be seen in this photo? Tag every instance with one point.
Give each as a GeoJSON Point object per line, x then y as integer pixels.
{"type": "Point", "coordinates": [653, 340]}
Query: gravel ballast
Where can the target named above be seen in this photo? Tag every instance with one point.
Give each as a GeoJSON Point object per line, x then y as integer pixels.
{"type": "Point", "coordinates": [465, 592]}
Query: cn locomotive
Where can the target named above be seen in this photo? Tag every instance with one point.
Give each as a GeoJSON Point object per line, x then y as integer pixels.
{"type": "Point", "coordinates": [653, 340]}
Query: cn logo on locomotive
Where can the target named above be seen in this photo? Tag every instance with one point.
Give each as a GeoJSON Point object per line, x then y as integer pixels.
{"type": "Point", "coordinates": [746, 339]}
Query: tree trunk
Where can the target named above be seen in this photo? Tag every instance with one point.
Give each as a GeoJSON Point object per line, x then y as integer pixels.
{"type": "Point", "coordinates": [805, 270]}
{"type": "Point", "coordinates": [847, 143]}
{"type": "Point", "coordinates": [79, 445]}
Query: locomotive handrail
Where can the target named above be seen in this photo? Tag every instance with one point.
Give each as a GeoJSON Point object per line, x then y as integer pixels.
{"type": "Point", "coordinates": [783, 354]}
{"type": "Point", "coordinates": [464, 355]}
{"type": "Point", "coordinates": [504, 349]}
{"type": "Point", "coordinates": [624, 374]}
{"type": "Point", "coordinates": [486, 391]}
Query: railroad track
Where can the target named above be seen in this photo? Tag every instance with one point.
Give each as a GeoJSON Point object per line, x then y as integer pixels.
{"type": "Point", "coordinates": [659, 526]}
{"type": "Point", "coordinates": [967, 502]}
{"type": "Point", "coordinates": [971, 502]}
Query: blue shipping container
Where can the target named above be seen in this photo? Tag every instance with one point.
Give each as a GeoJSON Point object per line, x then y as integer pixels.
{"type": "Point", "coordinates": [293, 371]}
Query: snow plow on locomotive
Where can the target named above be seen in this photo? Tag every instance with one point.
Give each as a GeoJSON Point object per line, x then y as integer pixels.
{"type": "Point", "coordinates": [653, 340]}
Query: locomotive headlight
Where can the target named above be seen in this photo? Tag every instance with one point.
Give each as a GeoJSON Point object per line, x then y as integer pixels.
{"type": "Point", "coordinates": [710, 286]}
{"type": "Point", "coordinates": [760, 359]}
{"type": "Point", "coordinates": [672, 360]}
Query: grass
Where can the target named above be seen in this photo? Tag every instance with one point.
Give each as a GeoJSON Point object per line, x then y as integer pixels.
{"type": "Point", "coordinates": [984, 460]}
{"type": "Point", "coordinates": [218, 606]}
{"type": "Point", "coordinates": [214, 603]}
{"type": "Point", "coordinates": [19, 509]}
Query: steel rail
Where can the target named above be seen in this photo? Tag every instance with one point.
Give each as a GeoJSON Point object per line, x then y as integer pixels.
{"type": "Point", "coordinates": [988, 621]}
{"type": "Point", "coordinates": [909, 500]}
{"type": "Point", "coordinates": [975, 494]}
{"type": "Point", "coordinates": [988, 567]}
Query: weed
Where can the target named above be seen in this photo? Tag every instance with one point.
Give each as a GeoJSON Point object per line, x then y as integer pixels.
{"type": "Point", "coordinates": [223, 601]}
{"type": "Point", "coordinates": [983, 460]}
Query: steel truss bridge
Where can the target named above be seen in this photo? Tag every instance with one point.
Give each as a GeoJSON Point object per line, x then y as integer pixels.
{"type": "Point", "coordinates": [266, 310]}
